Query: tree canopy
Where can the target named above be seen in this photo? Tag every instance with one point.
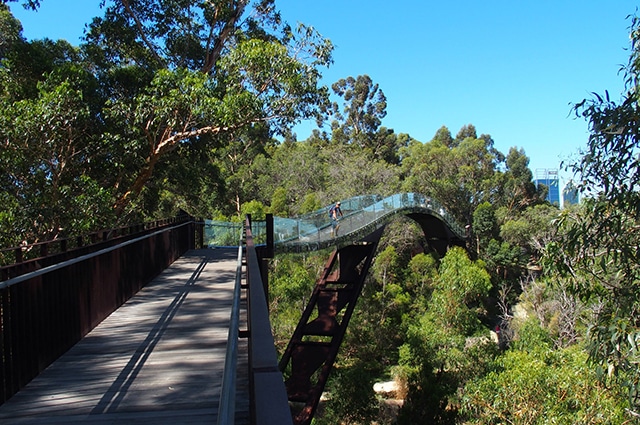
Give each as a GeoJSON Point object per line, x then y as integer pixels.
{"type": "Point", "coordinates": [599, 250]}
{"type": "Point", "coordinates": [152, 80]}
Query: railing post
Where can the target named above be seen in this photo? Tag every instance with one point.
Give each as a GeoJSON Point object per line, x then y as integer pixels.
{"type": "Point", "coordinates": [270, 238]}
{"type": "Point", "coordinates": [264, 255]}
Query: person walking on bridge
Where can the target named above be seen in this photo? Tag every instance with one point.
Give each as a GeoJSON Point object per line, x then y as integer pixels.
{"type": "Point", "coordinates": [334, 211]}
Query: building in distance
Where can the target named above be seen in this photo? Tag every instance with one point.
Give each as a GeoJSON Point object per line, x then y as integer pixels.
{"type": "Point", "coordinates": [549, 178]}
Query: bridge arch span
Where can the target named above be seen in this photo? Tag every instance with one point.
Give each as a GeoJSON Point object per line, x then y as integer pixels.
{"type": "Point", "coordinates": [312, 350]}
{"type": "Point", "coordinates": [363, 215]}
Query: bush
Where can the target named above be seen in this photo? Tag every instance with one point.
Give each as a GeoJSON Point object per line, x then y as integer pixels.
{"type": "Point", "coordinates": [541, 386]}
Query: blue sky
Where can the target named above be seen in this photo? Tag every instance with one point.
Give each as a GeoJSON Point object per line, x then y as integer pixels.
{"type": "Point", "coordinates": [511, 68]}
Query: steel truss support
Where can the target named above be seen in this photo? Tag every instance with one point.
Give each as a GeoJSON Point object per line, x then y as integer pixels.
{"type": "Point", "coordinates": [313, 348]}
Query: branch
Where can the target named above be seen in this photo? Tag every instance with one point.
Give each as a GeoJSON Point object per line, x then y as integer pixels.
{"type": "Point", "coordinates": [632, 413]}
{"type": "Point", "coordinates": [166, 145]}
{"type": "Point", "coordinates": [225, 34]}
{"type": "Point", "coordinates": [150, 46]}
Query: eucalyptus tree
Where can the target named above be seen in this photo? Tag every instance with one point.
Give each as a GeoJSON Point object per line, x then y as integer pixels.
{"type": "Point", "coordinates": [363, 110]}
{"type": "Point", "coordinates": [358, 120]}
{"type": "Point", "coordinates": [200, 70]}
{"type": "Point", "coordinates": [599, 251]}
{"type": "Point", "coordinates": [519, 191]}
{"type": "Point", "coordinates": [297, 169]}
{"type": "Point", "coordinates": [532, 229]}
{"type": "Point", "coordinates": [50, 148]}
{"type": "Point", "coordinates": [443, 135]}
{"type": "Point", "coordinates": [168, 85]}
{"type": "Point", "coordinates": [460, 176]}
{"type": "Point", "coordinates": [536, 384]}
{"type": "Point", "coordinates": [467, 131]}
{"type": "Point", "coordinates": [353, 172]}
{"type": "Point", "coordinates": [445, 347]}
{"type": "Point", "coordinates": [386, 145]}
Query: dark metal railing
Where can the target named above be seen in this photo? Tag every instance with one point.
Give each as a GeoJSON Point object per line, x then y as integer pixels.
{"type": "Point", "coordinates": [47, 304]}
{"type": "Point", "coordinates": [48, 308]}
{"type": "Point", "coordinates": [227, 405]}
{"type": "Point", "coordinates": [269, 404]}
{"type": "Point", "coordinates": [29, 257]}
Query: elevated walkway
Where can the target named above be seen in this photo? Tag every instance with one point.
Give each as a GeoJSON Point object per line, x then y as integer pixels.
{"type": "Point", "coordinates": [362, 215]}
{"type": "Point", "coordinates": [158, 359]}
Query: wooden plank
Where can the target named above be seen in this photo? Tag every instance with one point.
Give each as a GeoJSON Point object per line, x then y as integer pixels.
{"type": "Point", "coordinates": [158, 359]}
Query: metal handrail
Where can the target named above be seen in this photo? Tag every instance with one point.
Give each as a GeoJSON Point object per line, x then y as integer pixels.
{"type": "Point", "coordinates": [268, 395]}
{"type": "Point", "coordinates": [227, 405]}
{"type": "Point", "coordinates": [63, 264]}
{"type": "Point", "coordinates": [46, 311]}
{"type": "Point", "coordinates": [27, 252]}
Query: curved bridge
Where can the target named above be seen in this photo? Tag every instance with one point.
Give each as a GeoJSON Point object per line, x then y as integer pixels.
{"type": "Point", "coordinates": [363, 215]}
{"type": "Point", "coordinates": [313, 348]}
{"type": "Point", "coordinates": [125, 260]}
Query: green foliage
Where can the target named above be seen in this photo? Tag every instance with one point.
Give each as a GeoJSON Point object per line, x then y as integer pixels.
{"type": "Point", "coordinates": [352, 172]}
{"type": "Point", "coordinates": [435, 362]}
{"type": "Point", "coordinates": [532, 229]}
{"type": "Point", "coordinates": [540, 386]}
{"type": "Point", "coordinates": [280, 203]}
{"type": "Point", "coordinates": [385, 267]}
{"type": "Point", "coordinates": [364, 107]}
{"type": "Point", "coordinates": [443, 136]}
{"type": "Point", "coordinates": [461, 176]}
{"type": "Point", "coordinates": [446, 347]}
{"type": "Point", "coordinates": [504, 260]}
{"type": "Point", "coordinates": [423, 271]}
{"type": "Point", "coordinates": [519, 190]}
{"type": "Point", "coordinates": [392, 301]}
{"type": "Point", "coordinates": [531, 336]}
{"type": "Point", "coordinates": [47, 168]}
{"type": "Point", "coordinates": [167, 192]}
{"type": "Point", "coordinates": [298, 168]}
{"type": "Point", "coordinates": [485, 226]}
{"type": "Point", "coordinates": [351, 400]}
{"type": "Point", "coordinates": [255, 208]}
{"type": "Point", "coordinates": [10, 30]}
{"type": "Point", "coordinates": [291, 281]}
{"type": "Point", "coordinates": [310, 203]}
{"type": "Point", "coordinates": [158, 86]}
{"type": "Point", "coordinates": [461, 284]}
{"type": "Point", "coordinates": [598, 251]}
{"type": "Point", "coordinates": [406, 236]}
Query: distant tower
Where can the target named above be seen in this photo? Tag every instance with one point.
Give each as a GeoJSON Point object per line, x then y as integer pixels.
{"type": "Point", "coordinates": [570, 194]}
{"type": "Point", "coordinates": [549, 178]}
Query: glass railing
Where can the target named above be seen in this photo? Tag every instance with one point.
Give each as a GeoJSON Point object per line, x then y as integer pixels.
{"type": "Point", "coordinates": [317, 224]}
{"type": "Point", "coordinates": [360, 213]}
{"type": "Point", "coordinates": [225, 234]}
{"type": "Point", "coordinates": [222, 233]}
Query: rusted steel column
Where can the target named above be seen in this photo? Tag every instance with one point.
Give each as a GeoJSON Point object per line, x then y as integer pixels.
{"type": "Point", "coordinates": [313, 348]}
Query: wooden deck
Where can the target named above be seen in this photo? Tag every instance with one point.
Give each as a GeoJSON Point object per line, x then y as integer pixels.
{"type": "Point", "coordinates": [158, 359]}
